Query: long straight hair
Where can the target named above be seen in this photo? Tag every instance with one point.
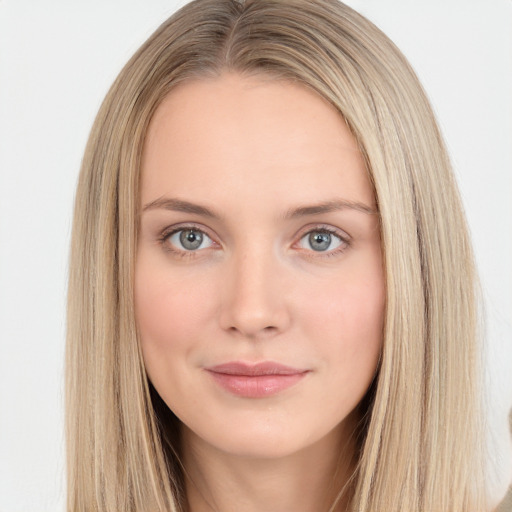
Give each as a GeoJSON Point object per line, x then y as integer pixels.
{"type": "Point", "coordinates": [422, 446]}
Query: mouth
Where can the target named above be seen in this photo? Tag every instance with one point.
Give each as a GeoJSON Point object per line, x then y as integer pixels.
{"type": "Point", "coordinates": [255, 380]}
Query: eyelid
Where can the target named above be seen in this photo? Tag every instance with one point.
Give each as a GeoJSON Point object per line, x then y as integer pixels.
{"type": "Point", "coordinates": [328, 228]}
{"type": "Point", "coordinates": [167, 232]}
{"type": "Point", "coordinates": [345, 238]}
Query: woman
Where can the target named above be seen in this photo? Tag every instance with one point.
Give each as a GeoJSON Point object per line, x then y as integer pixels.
{"type": "Point", "coordinates": [272, 299]}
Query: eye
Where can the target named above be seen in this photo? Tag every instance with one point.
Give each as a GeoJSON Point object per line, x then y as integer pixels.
{"type": "Point", "coordinates": [321, 240]}
{"type": "Point", "coordinates": [189, 239]}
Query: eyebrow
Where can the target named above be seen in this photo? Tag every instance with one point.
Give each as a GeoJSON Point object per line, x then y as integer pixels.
{"type": "Point", "coordinates": [179, 205]}
{"type": "Point", "coordinates": [329, 206]}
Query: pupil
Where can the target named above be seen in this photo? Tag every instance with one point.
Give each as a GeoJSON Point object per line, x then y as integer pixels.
{"type": "Point", "coordinates": [191, 239]}
{"type": "Point", "coordinates": [320, 241]}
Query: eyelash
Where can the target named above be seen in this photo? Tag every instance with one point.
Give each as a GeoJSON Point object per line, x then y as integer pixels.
{"type": "Point", "coordinates": [169, 232]}
{"type": "Point", "coordinates": [343, 237]}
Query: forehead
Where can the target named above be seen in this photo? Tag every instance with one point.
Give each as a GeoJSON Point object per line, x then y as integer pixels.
{"type": "Point", "coordinates": [254, 136]}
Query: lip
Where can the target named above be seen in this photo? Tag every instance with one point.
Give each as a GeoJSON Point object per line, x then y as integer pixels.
{"type": "Point", "coordinates": [255, 380]}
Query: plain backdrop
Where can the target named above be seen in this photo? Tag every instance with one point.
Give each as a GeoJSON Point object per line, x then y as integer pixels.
{"type": "Point", "coordinates": [57, 60]}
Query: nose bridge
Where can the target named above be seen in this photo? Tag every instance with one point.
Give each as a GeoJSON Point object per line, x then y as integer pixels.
{"type": "Point", "coordinates": [254, 302]}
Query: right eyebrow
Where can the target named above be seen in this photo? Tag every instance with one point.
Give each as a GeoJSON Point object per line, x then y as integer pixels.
{"type": "Point", "coordinates": [178, 205]}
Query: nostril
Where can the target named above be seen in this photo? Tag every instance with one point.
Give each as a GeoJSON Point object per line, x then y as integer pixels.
{"type": "Point", "coordinates": [252, 304]}
{"type": "Point", "coordinates": [254, 332]}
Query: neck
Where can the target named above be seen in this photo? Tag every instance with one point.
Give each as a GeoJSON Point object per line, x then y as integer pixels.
{"type": "Point", "coordinates": [309, 480]}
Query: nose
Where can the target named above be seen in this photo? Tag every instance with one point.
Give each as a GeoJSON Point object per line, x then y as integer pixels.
{"type": "Point", "coordinates": [254, 303]}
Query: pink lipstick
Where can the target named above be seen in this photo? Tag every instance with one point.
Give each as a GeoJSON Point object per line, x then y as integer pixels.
{"type": "Point", "coordinates": [255, 380]}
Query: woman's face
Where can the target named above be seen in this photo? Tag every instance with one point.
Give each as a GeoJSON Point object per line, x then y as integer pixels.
{"type": "Point", "coordinates": [259, 282]}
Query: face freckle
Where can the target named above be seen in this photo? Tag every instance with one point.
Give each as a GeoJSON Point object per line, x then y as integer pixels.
{"type": "Point", "coordinates": [259, 286]}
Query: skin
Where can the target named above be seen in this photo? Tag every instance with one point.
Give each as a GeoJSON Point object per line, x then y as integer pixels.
{"type": "Point", "coordinates": [252, 150]}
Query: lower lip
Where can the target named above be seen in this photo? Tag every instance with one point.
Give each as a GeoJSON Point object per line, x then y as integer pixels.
{"type": "Point", "coordinates": [256, 386]}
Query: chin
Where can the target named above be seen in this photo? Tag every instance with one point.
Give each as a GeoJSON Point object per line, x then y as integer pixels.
{"type": "Point", "coordinates": [264, 440]}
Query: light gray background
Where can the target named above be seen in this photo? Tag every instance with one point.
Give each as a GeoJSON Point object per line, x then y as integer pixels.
{"type": "Point", "coordinates": [57, 60]}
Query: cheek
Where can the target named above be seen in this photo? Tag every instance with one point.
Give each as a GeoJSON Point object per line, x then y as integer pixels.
{"type": "Point", "coordinates": [170, 314]}
{"type": "Point", "coordinates": [361, 313]}
{"type": "Point", "coordinates": [348, 321]}
{"type": "Point", "coordinates": [356, 351]}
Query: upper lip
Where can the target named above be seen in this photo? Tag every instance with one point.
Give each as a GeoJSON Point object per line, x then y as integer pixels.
{"type": "Point", "coordinates": [255, 369]}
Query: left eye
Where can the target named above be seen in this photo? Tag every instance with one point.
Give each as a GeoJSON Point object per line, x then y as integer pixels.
{"type": "Point", "coordinates": [320, 241]}
{"type": "Point", "coordinates": [190, 240]}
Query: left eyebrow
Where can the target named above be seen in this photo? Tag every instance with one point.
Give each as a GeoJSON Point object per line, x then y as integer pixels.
{"type": "Point", "coordinates": [329, 206]}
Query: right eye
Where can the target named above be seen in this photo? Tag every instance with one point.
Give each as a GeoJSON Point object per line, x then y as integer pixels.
{"type": "Point", "coordinates": [189, 239]}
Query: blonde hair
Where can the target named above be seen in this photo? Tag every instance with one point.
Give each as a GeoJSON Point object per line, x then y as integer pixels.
{"type": "Point", "coordinates": [421, 440]}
